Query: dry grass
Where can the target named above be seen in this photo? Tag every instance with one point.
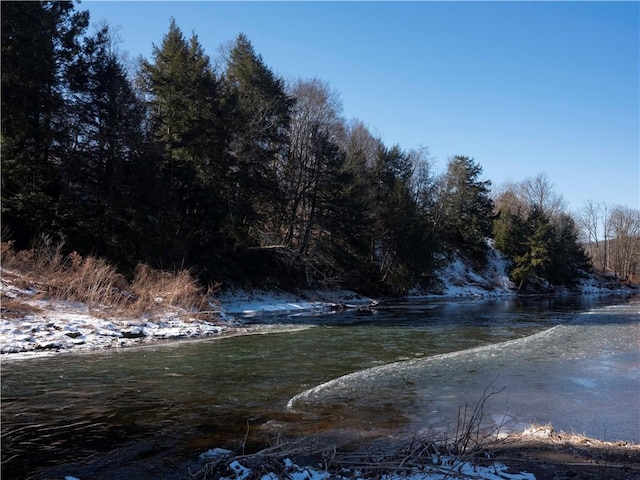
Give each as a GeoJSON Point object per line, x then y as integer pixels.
{"type": "Point", "coordinates": [549, 456]}
{"type": "Point", "coordinates": [539, 450]}
{"type": "Point", "coordinates": [176, 289]}
{"type": "Point", "coordinates": [467, 443]}
{"type": "Point", "coordinates": [50, 274]}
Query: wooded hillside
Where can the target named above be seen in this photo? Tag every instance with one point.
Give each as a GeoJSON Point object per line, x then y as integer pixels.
{"type": "Point", "coordinates": [231, 171]}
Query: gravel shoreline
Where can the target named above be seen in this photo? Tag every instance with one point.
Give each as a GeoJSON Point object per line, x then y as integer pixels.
{"type": "Point", "coordinates": [32, 326]}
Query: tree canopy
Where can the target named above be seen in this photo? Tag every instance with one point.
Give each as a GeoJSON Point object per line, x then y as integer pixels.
{"type": "Point", "coordinates": [242, 176]}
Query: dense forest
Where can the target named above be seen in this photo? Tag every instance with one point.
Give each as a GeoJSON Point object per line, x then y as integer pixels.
{"type": "Point", "coordinates": [229, 170]}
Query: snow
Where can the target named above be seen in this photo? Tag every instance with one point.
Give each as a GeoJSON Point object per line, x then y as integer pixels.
{"type": "Point", "coordinates": [247, 303]}
{"type": "Point", "coordinates": [441, 467]}
{"type": "Point", "coordinates": [215, 454]}
{"type": "Point", "coordinates": [592, 285]}
{"type": "Point", "coordinates": [460, 279]}
{"type": "Point", "coordinates": [56, 326]}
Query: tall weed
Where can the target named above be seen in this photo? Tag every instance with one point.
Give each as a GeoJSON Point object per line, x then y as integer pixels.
{"type": "Point", "coordinates": [96, 283]}
{"type": "Point", "coordinates": [153, 288]}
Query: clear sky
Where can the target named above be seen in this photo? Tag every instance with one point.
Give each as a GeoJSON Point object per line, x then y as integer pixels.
{"type": "Point", "coordinates": [522, 87]}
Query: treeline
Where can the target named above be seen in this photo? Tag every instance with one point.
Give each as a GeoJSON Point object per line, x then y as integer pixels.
{"type": "Point", "coordinates": [229, 169]}
{"type": "Point", "coordinates": [612, 239]}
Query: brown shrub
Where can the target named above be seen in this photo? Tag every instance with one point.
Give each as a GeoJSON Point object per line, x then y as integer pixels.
{"type": "Point", "coordinates": [96, 283]}
{"type": "Point", "coordinates": [155, 288]}
{"type": "Point", "coordinates": [90, 280]}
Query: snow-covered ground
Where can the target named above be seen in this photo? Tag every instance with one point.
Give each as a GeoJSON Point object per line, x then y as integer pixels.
{"type": "Point", "coordinates": [439, 468]}
{"type": "Point", "coordinates": [460, 279]}
{"type": "Point", "coordinates": [53, 326]}
{"type": "Point", "coordinates": [47, 326]}
{"type": "Point", "coordinates": [247, 303]}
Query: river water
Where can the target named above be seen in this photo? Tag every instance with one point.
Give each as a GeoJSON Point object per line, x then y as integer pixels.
{"type": "Point", "coordinates": [148, 412]}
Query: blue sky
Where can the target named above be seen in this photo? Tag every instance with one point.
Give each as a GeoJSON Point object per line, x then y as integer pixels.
{"type": "Point", "coordinates": [522, 87]}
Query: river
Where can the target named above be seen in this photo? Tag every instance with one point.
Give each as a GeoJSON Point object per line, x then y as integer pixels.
{"type": "Point", "coordinates": [148, 412]}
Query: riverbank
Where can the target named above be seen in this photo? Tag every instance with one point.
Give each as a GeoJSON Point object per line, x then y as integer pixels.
{"type": "Point", "coordinates": [34, 325]}
{"type": "Point", "coordinates": [538, 453]}
{"type": "Point", "coordinates": [552, 455]}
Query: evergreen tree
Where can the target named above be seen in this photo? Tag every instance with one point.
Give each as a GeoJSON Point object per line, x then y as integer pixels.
{"type": "Point", "coordinates": [40, 41]}
{"type": "Point", "coordinates": [392, 212]}
{"type": "Point", "coordinates": [568, 258]}
{"type": "Point", "coordinates": [186, 127]}
{"type": "Point", "coordinates": [543, 245]}
{"type": "Point", "coordinates": [259, 113]}
{"type": "Point", "coordinates": [466, 208]}
{"type": "Point", "coordinates": [531, 267]}
{"type": "Point", "coordinates": [349, 224]}
{"type": "Point", "coordinates": [104, 150]}
{"type": "Point", "coordinates": [509, 232]}
{"type": "Point", "coordinates": [182, 94]}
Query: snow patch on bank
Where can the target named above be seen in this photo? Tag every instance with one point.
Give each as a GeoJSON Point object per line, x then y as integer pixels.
{"type": "Point", "coordinates": [439, 467]}
{"type": "Point", "coordinates": [54, 326]}
{"type": "Point", "coordinates": [459, 278]}
{"type": "Point", "coordinates": [38, 327]}
{"type": "Point", "coordinates": [247, 303]}
{"type": "Point", "coordinates": [45, 326]}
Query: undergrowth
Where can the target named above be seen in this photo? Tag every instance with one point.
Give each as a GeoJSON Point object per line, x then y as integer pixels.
{"type": "Point", "coordinates": [430, 451]}
{"type": "Point", "coordinates": [456, 454]}
{"type": "Point", "coordinates": [48, 273]}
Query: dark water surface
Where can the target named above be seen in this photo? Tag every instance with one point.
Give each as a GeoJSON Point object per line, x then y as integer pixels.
{"type": "Point", "coordinates": [145, 412]}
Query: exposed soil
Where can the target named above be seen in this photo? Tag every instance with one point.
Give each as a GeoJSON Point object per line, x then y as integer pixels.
{"type": "Point", "coordinates": [539, 450]}
{"type": "Point", "coordinates": [560, 456]}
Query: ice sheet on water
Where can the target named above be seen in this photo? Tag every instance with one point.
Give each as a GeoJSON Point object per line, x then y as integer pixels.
{"type": "Point", "coordinates": [581, 376]}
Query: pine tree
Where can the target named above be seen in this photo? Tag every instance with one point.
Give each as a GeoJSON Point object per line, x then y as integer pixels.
{"type": "Point", "coordinates": [182, 94]}
{"type": "Point", "coordinates": [531, 267]}
{"type": "Point", "coordinates": [104, 154]}
{"type": "Point", "coordinates": [40, 41]}
{"type": "Point", "coordinates": [352, 223]}
{"type": "Point", "coordinates": [189, 138]}
{"type": "Point", "coordinates": [466, 207]}
{"type": "Point", "coordinates": [568, 258]}
{"type": "Point", "coordinates": [509, 232]}
{"type": "Point", "coordinates": [258, 110]}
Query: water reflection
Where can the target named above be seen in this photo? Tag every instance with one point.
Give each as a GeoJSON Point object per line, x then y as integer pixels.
{"type": "Point", "coordinates": [582, 376]}
{"type": "Point", "coordinates": [195, 395]}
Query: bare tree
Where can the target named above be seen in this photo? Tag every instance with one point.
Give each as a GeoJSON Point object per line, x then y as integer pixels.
{"type": "Point", "coordinates": [539, 191]}
{"type": "Point", "coordinates": [508, 197]}
{"type": "Point", "coordinates": [521, 197]}
{"type": "Point", "coordinates": [423, 180]}
{"type": "Point", "coordinates": [625, 226]}
{"type": "Point", "coordinates": [606, 231]}
{"type": "Point", "coordinates": [316, 125]}
{"type": "Point", "coordinates": [612, 235]}
{"type": "Point", "coordinates": [359, 139]}
{"type": "Point", "coordinates": [589, 221]}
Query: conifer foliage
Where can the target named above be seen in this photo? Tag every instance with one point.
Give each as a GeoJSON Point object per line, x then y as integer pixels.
{"type": "Point", "coordinates": [40, 46]}
{"type": "Point", "coordinates": [232, 171]}
{"type": "Point", "coordinates": [541, 241]}
{"type": "Point", "coordinates": [467, 208]}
